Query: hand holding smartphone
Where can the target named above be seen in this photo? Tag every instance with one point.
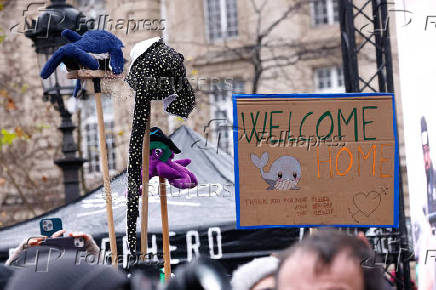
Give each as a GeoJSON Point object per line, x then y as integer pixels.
{"type": "Point", "coordinates": [50, 226]}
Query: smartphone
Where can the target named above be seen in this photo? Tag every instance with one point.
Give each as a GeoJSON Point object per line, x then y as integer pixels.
{"type": "Point", "coordinates": [67, 243]}
{"type": "Point", "coordinates": [49, 226]}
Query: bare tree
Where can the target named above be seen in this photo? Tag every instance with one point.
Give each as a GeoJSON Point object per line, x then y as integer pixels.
{"type": "Point", "coordinates": [29, 181]}
{"type": "Point", "coordinates": [25, 182]}
{"type": "Point", "coordinates": [266, 43]}
{"type": "Point", "coordinates": [265, 51]}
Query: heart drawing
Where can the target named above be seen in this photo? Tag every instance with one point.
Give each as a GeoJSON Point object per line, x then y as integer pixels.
{"type": "Point", "coordinates": [367, 203]}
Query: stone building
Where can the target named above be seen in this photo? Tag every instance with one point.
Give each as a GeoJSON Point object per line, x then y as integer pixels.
{"type": "Point", "coordinates": [245, 46]}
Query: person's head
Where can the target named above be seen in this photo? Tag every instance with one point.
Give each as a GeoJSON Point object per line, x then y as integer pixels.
{"type": "Point", "coordinates": [329, 260]}
{"type": "Point", "coordinates": [256, 275]}
{"type": "Point", "coordinates": [200, 274]}
{"type": "Point", "coordinates": [65, 274]}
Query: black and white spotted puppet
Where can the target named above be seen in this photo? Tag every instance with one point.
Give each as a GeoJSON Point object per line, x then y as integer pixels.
{"type": "Point", "coordinates": [156, 72]}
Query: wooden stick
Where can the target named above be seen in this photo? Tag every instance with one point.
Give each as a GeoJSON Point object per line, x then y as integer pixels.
{"type": "Point", "coordinates": [145, 180]}
{"type": "Point", "coordinates": [105, 167]}
{"type": "Point", "coordinates": [92, 74]}
{"type": "Point", "coordinates": [165, 228]}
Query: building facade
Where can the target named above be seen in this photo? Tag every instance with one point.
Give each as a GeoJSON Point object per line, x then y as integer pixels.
{"type": "Point", "coordinates": [230, 46]}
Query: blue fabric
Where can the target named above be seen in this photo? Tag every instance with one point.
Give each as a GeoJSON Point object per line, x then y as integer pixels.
{"type": "Point", "coordinates": [77, 88]}
{"type": "Point", "coordinates": [94, 41]}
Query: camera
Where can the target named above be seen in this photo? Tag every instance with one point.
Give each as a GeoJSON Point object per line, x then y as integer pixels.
{"type": "Point", "coordinates": [79, 242]}
{"type": "Point", "coordinates": [47, 225]}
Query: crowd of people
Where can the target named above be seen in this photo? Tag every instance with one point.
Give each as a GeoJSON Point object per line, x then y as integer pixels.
{"type": "Point", "coordinates": [325, 259]}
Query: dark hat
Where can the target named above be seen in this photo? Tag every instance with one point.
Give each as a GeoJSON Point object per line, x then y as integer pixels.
{"type": "Point", "coordinates": [157, 72]}
{"type": "Point", "coordinates": [66, 273]}
{"type": "Point", "coordinates": [156, 134]}
{"type": "Point", "coordinates": [199, 274]}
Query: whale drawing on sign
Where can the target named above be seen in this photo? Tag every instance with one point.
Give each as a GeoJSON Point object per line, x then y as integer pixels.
{"type": "Point", "coordinates": [284, 174]}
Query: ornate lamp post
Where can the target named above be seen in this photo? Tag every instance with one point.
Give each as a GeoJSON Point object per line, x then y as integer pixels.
{"type": "Point", "coordinates": [45, 33]}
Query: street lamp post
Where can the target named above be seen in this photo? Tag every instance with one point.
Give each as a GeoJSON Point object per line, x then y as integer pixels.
{"type": "Point", "coordinates": [45, 33]}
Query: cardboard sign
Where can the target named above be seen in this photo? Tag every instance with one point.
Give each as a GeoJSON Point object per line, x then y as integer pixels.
{"type": "Point", "coordinates": [312, 160]}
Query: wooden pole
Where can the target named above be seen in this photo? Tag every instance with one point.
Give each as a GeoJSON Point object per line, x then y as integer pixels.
{"type": "Point", "coordinates": [165, 228]}
{"type": "Point", "coordinates": [105, 167]}
{"type": "Point", "coordinates": [145, 180]}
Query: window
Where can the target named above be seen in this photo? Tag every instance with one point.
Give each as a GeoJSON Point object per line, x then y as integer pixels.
{"type": "Point", "coordinates": [90, 135]}
{"type": "Point", "coordinates": [325, 12]}
{"type": "Point", "coordinates": [232, 18]}
{"type": "Point", "coordinates": [221, 101]}
{"type": "Point", "coordinates": [91, 153]}
{"type": "Point", "coordinates": [329, 79]}
{"type": "Point", "coordinates": [222, 19]}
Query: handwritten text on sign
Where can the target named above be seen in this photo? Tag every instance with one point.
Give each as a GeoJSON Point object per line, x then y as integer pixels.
{"type": "Point", "coordinates": [315, 160]}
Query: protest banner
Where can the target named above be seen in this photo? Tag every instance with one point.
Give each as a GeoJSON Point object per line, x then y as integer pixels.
{"type": "Point", "coordinates": [312, 160]}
